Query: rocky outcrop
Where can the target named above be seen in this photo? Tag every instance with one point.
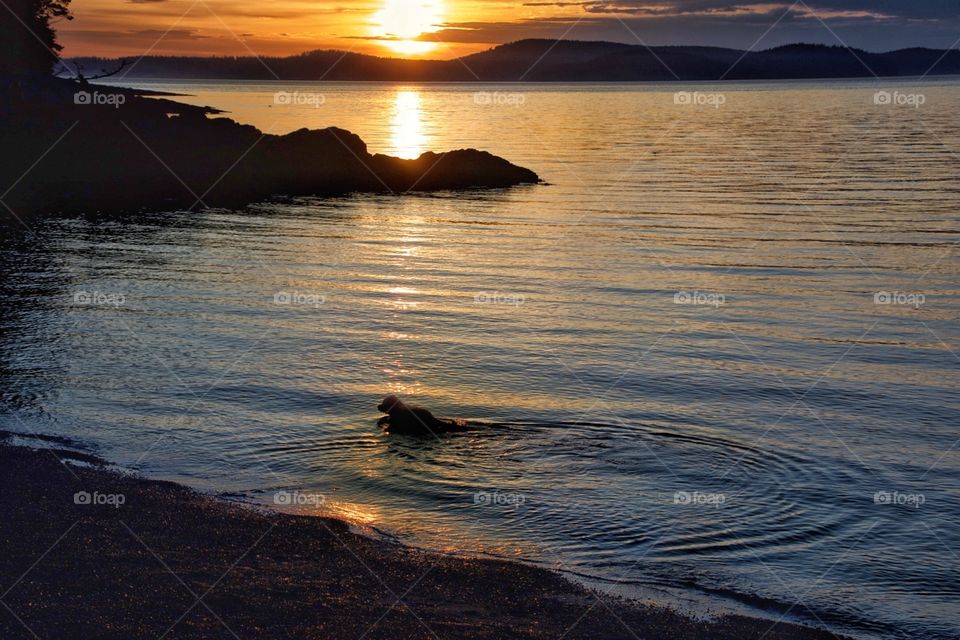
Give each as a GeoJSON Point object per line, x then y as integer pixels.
{"type": "Point", "coordinates": [125, 151]}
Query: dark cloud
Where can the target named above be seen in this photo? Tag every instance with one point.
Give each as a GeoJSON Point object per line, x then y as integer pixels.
{"type": "Point", "coordinates": [499, 32]}
{"type": "Point", "coordinates": [889, 9]}
{"type": "Point", "coordinates": [175, 34]}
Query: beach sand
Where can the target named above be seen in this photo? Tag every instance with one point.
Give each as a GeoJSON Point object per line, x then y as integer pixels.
{"type": "Point", "coordinates": [172, 563]}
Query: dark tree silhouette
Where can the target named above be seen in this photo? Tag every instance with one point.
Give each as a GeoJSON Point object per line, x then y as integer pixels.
{"type": "Point", "coordinates": [29, 40]}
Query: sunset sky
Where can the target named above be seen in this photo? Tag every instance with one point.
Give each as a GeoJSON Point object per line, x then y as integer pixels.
{"type": "Point", "coordinates": [447, 28]}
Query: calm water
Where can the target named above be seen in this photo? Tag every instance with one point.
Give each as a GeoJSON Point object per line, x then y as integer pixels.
{"type": "Point", "coordinates": [690, 390]}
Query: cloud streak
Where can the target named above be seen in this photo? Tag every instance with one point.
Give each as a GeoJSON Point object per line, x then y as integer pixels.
{"type": "Point", "coordinates": [886, 9]}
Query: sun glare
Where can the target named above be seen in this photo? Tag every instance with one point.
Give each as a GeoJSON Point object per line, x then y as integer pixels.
{"type": "Point", "coordinates": [401, 22]}
{"type": "Point", "coordinates": [406, 125]}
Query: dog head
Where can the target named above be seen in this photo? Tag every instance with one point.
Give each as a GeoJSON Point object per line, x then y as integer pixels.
{"type": "Point", "coordinates": [391, 404]}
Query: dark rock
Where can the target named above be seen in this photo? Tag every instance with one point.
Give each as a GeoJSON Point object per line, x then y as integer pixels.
{"type": "Point", "coordinates": [133, 152]}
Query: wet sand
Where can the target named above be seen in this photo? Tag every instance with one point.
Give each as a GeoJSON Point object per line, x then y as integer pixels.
{"type": "Point", "coordinates": [157, 560]}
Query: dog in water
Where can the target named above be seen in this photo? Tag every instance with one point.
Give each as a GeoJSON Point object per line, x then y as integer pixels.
{"type": "Point", "coordinates": [404, 418]}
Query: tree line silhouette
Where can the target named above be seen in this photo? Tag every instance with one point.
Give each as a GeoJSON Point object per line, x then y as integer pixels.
{"type": "Point", "coordinates": [29, 37]}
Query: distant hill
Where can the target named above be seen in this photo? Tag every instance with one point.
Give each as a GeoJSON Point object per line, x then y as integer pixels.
{"type": "Point", "coordinates": [552, 60]}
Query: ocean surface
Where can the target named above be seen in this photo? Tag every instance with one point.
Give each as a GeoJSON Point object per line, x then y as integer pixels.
{"type": "Point", "coordinates": [712, 363]}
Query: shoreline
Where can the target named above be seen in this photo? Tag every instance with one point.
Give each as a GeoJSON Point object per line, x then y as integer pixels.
{"type": "Point", "coordinates": [132, 557]}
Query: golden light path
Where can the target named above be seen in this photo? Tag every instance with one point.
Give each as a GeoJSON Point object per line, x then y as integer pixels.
{"type": "Point", "coordinates": [406, 125]}
{"type": "Point", "coordinates": [401, 22]}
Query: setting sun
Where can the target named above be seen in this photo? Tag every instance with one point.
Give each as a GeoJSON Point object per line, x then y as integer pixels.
{"type": "Point", "coordinates": [400, 22]}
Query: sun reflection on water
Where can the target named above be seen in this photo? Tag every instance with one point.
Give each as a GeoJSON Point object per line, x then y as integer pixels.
{"type": "Point", "coordinates": [406, 125]}
{"type": "Point", "coordinates": [354, 513]}
{"type": "Point", "coordinates": [403, 290]}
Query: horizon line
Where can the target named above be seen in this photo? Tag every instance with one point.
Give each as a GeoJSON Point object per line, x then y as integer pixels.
{"type": "Point", "coordinates": [555, 41]}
